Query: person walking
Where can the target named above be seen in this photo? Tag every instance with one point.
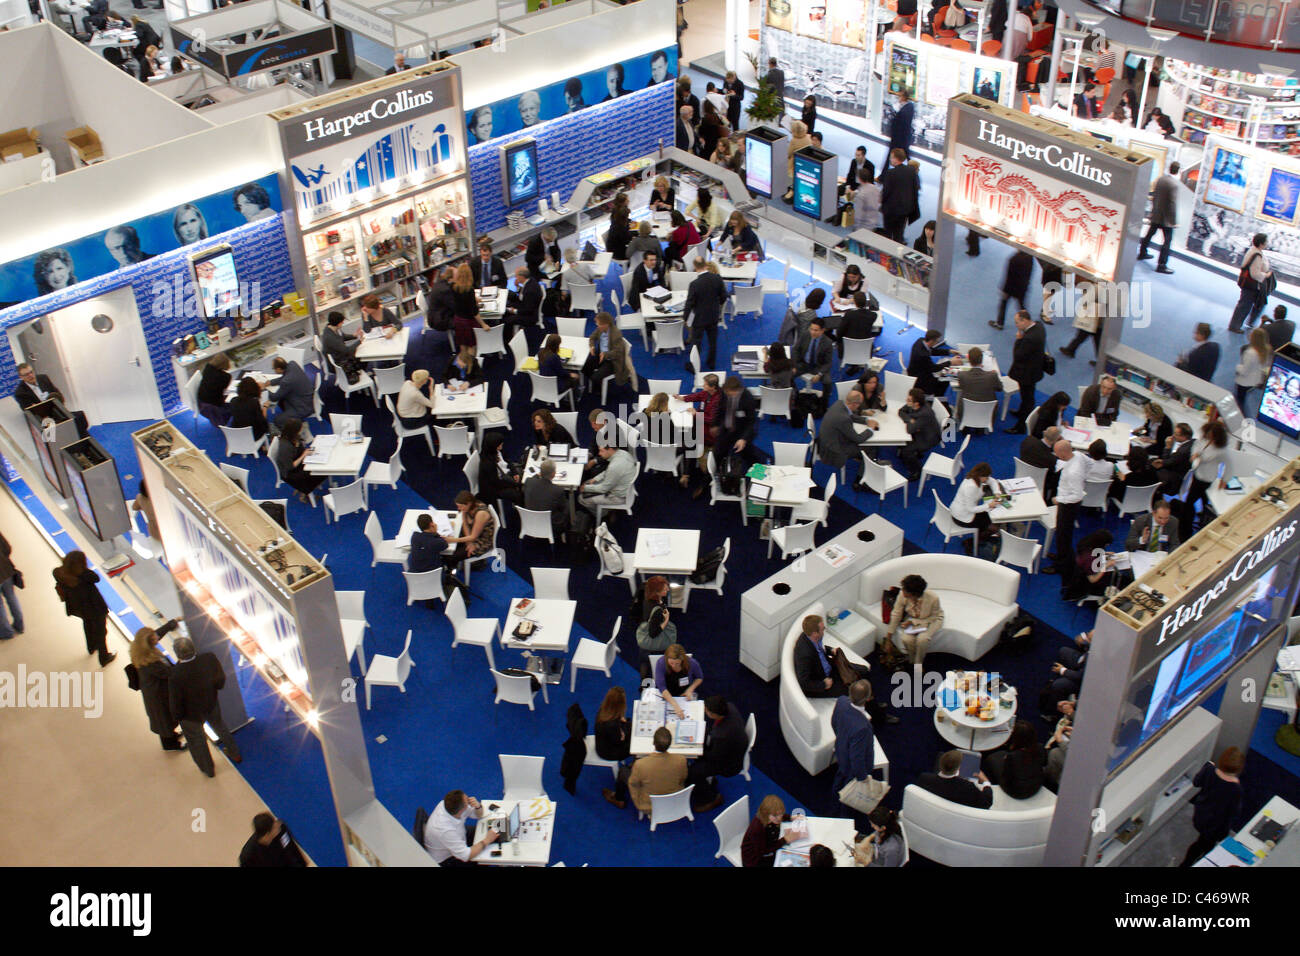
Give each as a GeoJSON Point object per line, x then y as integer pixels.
{"type": "Point", "coordinates": [149, 673]}
{"type": "Point", "coordinates": [1015, 285]}
{"type": "Point", "coordinates": [1027, 359]}
{"type": "Point", "coordinates": [192, 696]}
{"type": "Point", "coordinates": [900, 129]}
{"type": "Point", "coordinates": [1164, 216]}
{"type": "Point", "coordinates": [900, 190]}
{"type": "Point", "coordinates": [10, 578]}
{"type": "Point", "coordinates": [1256, 282]}
{"type": "Point", "coordinates": [75, 585]}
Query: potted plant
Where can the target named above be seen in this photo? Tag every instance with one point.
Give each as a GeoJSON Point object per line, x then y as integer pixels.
{"type": "Point", "coordinates": [767, 106]}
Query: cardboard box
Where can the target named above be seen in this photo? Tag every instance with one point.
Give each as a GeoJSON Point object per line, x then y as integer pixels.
{"type": "Point", "coordinates": [18, 144]}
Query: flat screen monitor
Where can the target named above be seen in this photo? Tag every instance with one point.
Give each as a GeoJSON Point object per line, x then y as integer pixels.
{"type": "Point", "coordinates": [217, 279]}
{"type": "Point", "coordinates": [519, 172]}
{"type": "Point", "coordinates": [758, 166]}
{"type": "Point", "coordinates": [1280, 406]}
{"type": "Point", "coordinates": [808, 183]}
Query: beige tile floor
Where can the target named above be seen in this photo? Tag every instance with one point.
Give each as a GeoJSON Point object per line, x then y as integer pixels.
{"type": "Point", "coordinates": [99, 791]}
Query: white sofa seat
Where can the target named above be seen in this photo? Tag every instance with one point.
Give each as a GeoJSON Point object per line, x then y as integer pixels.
{"type": "Point", "coordinates": [978, 597]}
{"type": "Point", "coordinates": [806, 723]}
{"type": "Point", "coordinates": [1010, 833]}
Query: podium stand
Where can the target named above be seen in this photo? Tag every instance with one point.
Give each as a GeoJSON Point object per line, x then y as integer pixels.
{"type": "Point", "coordinates": [96, 489]}
{"type": "Point", "coordinates": [815, 180]}
{"type": "Point", "coordinates": [766, 158]}
{"type": "Point", "coordinates": [48, 452]}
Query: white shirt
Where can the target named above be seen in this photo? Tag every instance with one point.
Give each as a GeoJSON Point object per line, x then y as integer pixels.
{"type": "Point", "coordinates": [1069, 488]}
{"type": "Point", "coordinates": [444, 835]}
{"type": "Point", "coordinates": [38, 391]}
{"type": "Point", "coordinates": [1097, 470]}
{"type": "Point", "coordinates": [969, 500]}
{"type": "Point", "coordinates": [1207, 459]}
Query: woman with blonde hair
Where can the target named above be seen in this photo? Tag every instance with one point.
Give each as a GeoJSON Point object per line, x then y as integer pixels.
{"type": "Point", "coordinates": [763, 837]}
{"type": "Point", "coordinates": [414, 403]}
{"type": "Point", "coordinates": [799, 138]}
{"type": "Point", "coordinates": [466, 317]}
{"type": "Point", "coordinates": [1252, 370]}
{"type": "Point", "coordinates": [149, 672]}
{"type": "Point", "coordinates": [663, 197]}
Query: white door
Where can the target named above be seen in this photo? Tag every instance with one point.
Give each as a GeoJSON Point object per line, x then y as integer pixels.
{"type": "Point", "coordinates": [105, 359]}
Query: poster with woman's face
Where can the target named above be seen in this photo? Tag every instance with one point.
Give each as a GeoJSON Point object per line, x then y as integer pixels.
{"type": "Point", "coordinates": [1226, 185]}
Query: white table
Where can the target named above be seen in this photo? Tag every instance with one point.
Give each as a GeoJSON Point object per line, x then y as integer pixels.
{"type": "Point", "coordinates": [494, 307]}
{"type": "Point", "coordinates": [121, 39]}
{"type": "Point", "coordinates": [643, 744]}
{"type": "Point", "coordinates": [409, 524]}
{"type": "Point", "coordinates": [743, 272]}
{"type": "Point", "coordinates": [1025, 506]}
{"type": "Point", "coordinates": [1280, 810]}
{"type": "Point", "coordinates": [384, 349]}
{"type": "Point", "coordinates": [346, 459]}
{"type": "Point", "coordinates": [1144, 561]}
{"type": "Point", "coordinates": [261, 378]}
{"type": "Point", "coordinates": [791, 485]}
{"type": "Point", "coordinates": [1117, 436]}
{"type": "Point", "coordinates": [834, 833]}
{"type": "Point", "coordinates": [683, 551]}
{"type": "Point", "coordinates": [758, 372]}
{"type": "Point", "coordinates": [467, 404]}
{"type": "Point", "coordinates": [892, 431]}
{"type": "Point", "coordinates": [650, 313]}
{"type": "Point", "coordinates": [683, 413]}
{"type": "Point", "coordinates": [1222, 501]}
{"type": "Point", "coordinates": [554, 620]}
{"type": "Point", "coordinates": [971, 733]}
{"type": "Point", "coordinates": [579, 345]}
{"type": "Point", "coordinates": [568, 475]}
{"type": "Point", "coordinates": [531, 852]}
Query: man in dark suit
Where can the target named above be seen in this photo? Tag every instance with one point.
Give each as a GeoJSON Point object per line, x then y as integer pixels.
{"type": "Point", "coordinates": [487, 269]}
{"type": "Point", "coordinates": [647, 275]}
{"type": "Point", "coordinates": [817, 676]}
{"type": "Point", "coordinates": [399, 64]}
{"type": "Point", "coordinates": [813, 354]}
{"type": "Point", "coordinates": [775, 78]}
{"type": "Point", "coordinates": [1015, 284]}
{"type": "Point", "coordinates": [1174, 461]}
{"type": "Point", "coordinates": [860, 322]}
{"type": "Point", "coordinates": [725, 744]}
{"type": "Point", "coordinates": [686, 135]}
{"type": "Point", "coordinates": [427, 547]}
{"type": "Point", "coordinates": [192, 693]}
{"type": "Point", "coordinates": [33, 389]}
{"type": "Point", "coordinates": [737, 424]}
{"type": "Point", "coordinates": [900, 189]}
{"type": "Point", "coordinates": [524, 307]}
{"type": "Point", "coordinates": [1202, 360]}
{"type": "Point", "coordinates": [900, 130]}
{"type": "Point", "coordinates": [271, 845]}
{"type": "Point", "coordinates": [705, 298]}
{"type": "Point", "coordinates": [978, 384]}
{"type": "Point", "coordinates": [949, 786]}
{"type": "Point", "coordinates": [856, 164]}
{"type": "Point", "coordinates": [1164, 216]}
{"type": "Point", "coordinates": [1085, 105]}
{"type": "Point", "coordinates": [855, 747]}
{"type": "Point", "coordinates": [918, 415]}
{"type": "Point", "coordinates": [541, 494]}
{"type": "Point", "coordinates": [292, 392]}
{"type": "Point", "coordinates": [1101, 401]}
{"type": "Point", "coordinates": [1157, 530]}
{"type": "Point", "coordinates": [1027, 357]}
{"type": "Point", "coordinates": [1280, 329]}
{"type": "Point", "coordinates": [840, 438]}
{"type": "Point", "coordinates": [1038, 451]}
{"type": "Point", "coordinates": [922, 364]}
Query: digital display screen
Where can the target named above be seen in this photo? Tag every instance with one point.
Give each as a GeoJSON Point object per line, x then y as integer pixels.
{"type": "Point", "coordinates": [81, 497]}
{"type": "Point", "coordinates": [43, 452]}
{"type": "Point", "coordinates": [218, 282]}
{"type": "Point", "coordinates": [807, 186]}
{"type": "Point", "coordinates": [902, 71]}
{"type": "Point", "coordinates": [758, 167]}
{"type": "Point", "coordinates": [1280, 407]}
{"type": "Point", "coordinates": [521, 172]}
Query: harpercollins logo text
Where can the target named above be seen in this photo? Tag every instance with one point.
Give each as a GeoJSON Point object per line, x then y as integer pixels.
{"type": "Point", "coordinates": [1076, 163]}
{"type": "Point", "coordinates": [381, 108]}
{"type": "Point", "coordinates": [76, 909]}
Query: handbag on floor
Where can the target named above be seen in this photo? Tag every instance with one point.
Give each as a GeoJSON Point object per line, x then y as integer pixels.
{"type": "Point", "coordinates": [863, 795]}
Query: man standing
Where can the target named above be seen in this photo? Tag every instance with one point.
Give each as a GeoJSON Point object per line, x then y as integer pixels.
{"type": "Point", "coordinates": [686, 128]}
{"type": "Point", "coordinates": [738, 420]}
{"type": "Point", "coordinates": [399, 64]}
{"type": "Point", "coordinates": [900, 129]}
{"type": "Point", "coordinates": [487, 269]}
{"type": "Point", "coordinates": [1071, 474]}
{"type": "Point", "coordinates": [1085, 105]}
{"type": "Point", "coordinates": [923, 428]}
{"type": "Point", "coordinates": [11, 623]}
{"type": "Point", "coordinates": [813, 354]}
{"type": "Point", "coordinates": [1164, 216]}
{"type": "Point", "coordinates": [724, 752]}
{"type": "Point", "coordinates": [657, 774]}
{"type": "Point", "coordinates": [442, 302]}
{"type": "Point", "coordinates": [900, 189]}
{"type": "Point", "coordinates": [840, 437]}
{"type": "Point", "coordinates": [855, 740]}
{"type": "Point", "coordinates": [192, 694]}
{"type": "Point", "coordinates": [1015, 284]}
{"type": "Point", "coordinates": [775, 78]}
{"type": "Point", "coordinates": [446, 835]}
{"type": "Point", "coordinates": [1255, 280]}
{"type": "Point", "coordinates": [271, 844]}
{"type": "Point", "coordinates": [34, 389]}
{"type": "Point", "coordinates": [524, 305]}
{"type": "Point", "coordinates": [1026, 370]}
{"type": "Point", "coordinates": [1175, 459]}
{"type": "Point", "coordinates": [1202, 360]}
{"type": "Point", "coordinates": [1101, 401]}
{"type": "Point", "coordinates": [735, 91]}
{"type": "Point", "coordinates": [704, 300]}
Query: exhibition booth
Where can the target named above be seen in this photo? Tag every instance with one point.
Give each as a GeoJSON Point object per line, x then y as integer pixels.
{"type": "Point", "coordinates": [249, 38]}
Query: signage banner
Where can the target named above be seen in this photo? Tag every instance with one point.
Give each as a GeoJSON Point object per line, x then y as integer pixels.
{"type": "Point", "coordinates": [280, 50]}
{"type": "Point", "coordinates": [360, 20]}
{"type": "Point", "coordinates": [198, 52]}
{"type": "Point", "coordinates": [135, 241]}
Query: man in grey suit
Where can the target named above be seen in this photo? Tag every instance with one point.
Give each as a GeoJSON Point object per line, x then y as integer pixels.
{"type": "Point", "coordinates": [1157, 530]}
{"type": "Point", "coordinates": [840, 438]}
{"type": "Point", "coordinates": [813, 353]}
{"type": "Point", "coordinates": [1164, 216]}
{"type": "Point", "coordinates": [292, 392]}
{"type": "Point", "coordinates": [978, 384]}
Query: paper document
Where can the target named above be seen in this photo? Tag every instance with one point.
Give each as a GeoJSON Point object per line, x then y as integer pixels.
{"type": "Point", "coordinates": [1075, 435]}
{"type": "Point", "coordinates": [835, 555]}
{"type": "Point", "coordinates": [1016, 486]}
{"type": "Point", "coordinates": [658, 545]}
{"type": "Point", "coordinates": [1288, 659]}
{"type": "Point", "coordinates": [914, 629]}
{"type": "Point", "coordinates": [321, 449]}
{"type": "Point", "coordinates": [1123, 561]}
{"type": "Point", "coordinates": [688, 732]}
{"type": "Point", "coordinates": [374, 335]}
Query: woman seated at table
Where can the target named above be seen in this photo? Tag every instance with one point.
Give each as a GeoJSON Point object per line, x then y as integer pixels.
{"type": "Point", "coordinates": [613, 732]}
{"type": "Point", "coordinates": [654, 635]}
{"type": "Point", "coordinates": [290, 452]}
{"type": "Point", "coordinates": [1095, 566]}
{"type": "Point", "coordinates": [659, 428]}
{"type": "Point", "coordinates": [464, 368]}
{"type": "Point", "coordinates": [1018, 767]}
{"type": "Point", "coordinates": [683, 236]}
{"type": "Point", "coordinates": [1141, 473]}
{"type": "Point", "coordinates": [741, 235]}
{"type": "Point", "coordinates": [925, 241]}
{"type": "Point", "coordinates": [706, 213]}
{"type": "Point", "coordinates": [726, 155]}
{"type": "Point", "coordinates": [663, 198]}
{"type": "Point", "coordinates": [884, 846]}
{"type": "Point", "coordinates": [779, 367]}
{"type": "Point", "coordinates": [213, 382]}
{"type": "Point", "coordinates": [1051, 412]}
{"type": "Point", "coordinates": [763, 836]}
{"type": "Point", "coordinates": [677, 677]}
{"type": "Point", "coordinates": [246, 408]}
{"type": "Point", "coordinates": [551, 364]}
{"type": "Point", "coordinates": [654, 594]}
{"type": "Point", "coordinates": [547, 431]}
{"type": "Point", "coordinates": [495, 481]}
{"type": "Point", "coordinates": [851, 282]}
{"type": "Point", "coordinates": [1098, 467]}
{"type": "Point", "coordinates": [1156, 426]}
{"type": "Point", "coordinates": [414, 402]}
{"type": "Point", "coordinates": [477, 525]}
{"type": "Point", "coordinates": [873, 392]}
{"type": "Point", "coordinates": [970, 510]}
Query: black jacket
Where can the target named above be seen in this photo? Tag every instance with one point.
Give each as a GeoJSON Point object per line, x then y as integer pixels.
{"type": "Point", "coordinates": [1022, 773]}
{"type": "Point", "coordinates": [282, 851]}
{"type": "Point", "coordinates": [1034, 451]}
{"type": "Point", "coordinates": [426, 551]}
{"type": "Point", "coordinates": [808, 669]}
{"type": "Point", "coordinates": [541, 494]}
{"type": "Point", "coordinates": [1020, 267]}
{"type": "Point", "coordinates": [442, 306]}
{"type": "Point", "coordinates": [922, 426]}
{"type": "Point", "coordinates": [527, 303]}
{"type": "Point", "coordinates": [1091, 405]}
{"type": "Point", "coordinates": [746, 420]}
{"type": "Point", "coordinates": [192, 690]}
{"type": "Point", "coordinates": [26, 398]}
{"type": "Point", "coordinates": [1201, 361]}
{"type": "Point", "coordinates": [247, 413]}
{"type": "Point", "coordinates": [858, 323]}
{"type": "Point", "coordinates": [616, 240]}
{"type": "Point", "coordinates": [724, 747]}
{"type": "Point", "coordinates": [642, 279]}
{"type": "Point", "coordinates": [496, 272]}
{"type": "Point", "coordinates": [1027, 355]}
{"type": "Point", "coordinates": [537, 252]}
{"type": "Point", "coordinates": [613, 739]}
{"type": "Point", "coordinates": [575, 747]}
{"type": "Point", "coordinates": [957, 789]}
{"type": "Point", "coordinates": [900, 130]}
{"type": "Point", "coordinates": [1158, 434]}
{"type": "Point", "coordinates": [704, 300]}
{"type": "Point", "coordinates": [454, 373]}
{"type": "Point", "coordinates": [922, 365]}
{"type": "Point", "coordinates": [83, 600]}
{"type": "Point", "coordinates": [900, 188]}
{"type": "Point", "coordinates": [213, 383]}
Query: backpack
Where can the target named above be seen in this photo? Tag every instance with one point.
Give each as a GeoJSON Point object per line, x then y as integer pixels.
{"type": "Point", "coordinates": [275, 511]}
{"type": "Point", "coordinates": [707, 568]}
{"type": "Point", "coordinates": [1017, 633]}
{"type": "Point", "coordinates": [733, 473]}
{"type": "Point", "coordinates": [581, 540]}
{"type": "Point", "coordinates": [611, 554]}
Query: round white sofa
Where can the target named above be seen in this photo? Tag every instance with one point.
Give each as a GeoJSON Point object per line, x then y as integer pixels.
{"type": "Point", "coordinates": [1009, 833]}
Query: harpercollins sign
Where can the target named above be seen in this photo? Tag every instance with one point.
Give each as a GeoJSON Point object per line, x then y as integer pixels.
{"type": "Point", "coordinates": [1076, 163]}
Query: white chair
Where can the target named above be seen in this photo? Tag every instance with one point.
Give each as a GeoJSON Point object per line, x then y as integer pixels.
{"type": "Point", "coordinates": [424, 586]}
{"type": "Point", "coordinates": [779, 286]}
{"type": "Point", "coordinates": [341, 423]}
{"type": "Point", "coordinates": [680, 281]}
{"type": "Point", "coordinates": [794, 539]}
{"type": "Point", "coordinates": [522, 777]}
{"type": "Point", "coordinates": [1032, 420]}
{"type": "Point", "coordinates": [494, 553]}
{"type": "Point", "coordinates": [192, 397]}
{"type": "Point", "coordinates": [789, 453]}
{"type": "Point", "coordinates": [238, 475]}
{"type": "Point", "coordinates": [1020, 552]}
{"type": "Point", "coordinates": [454, 440]}
{"type": "Point", "coordinates": [240, 441]}
{"type": "Point", "coordinates": [669, 386]}
{"type": "Point", "coordinates": [593, 759]}
{"type": "Point", "coordinates": [634, 322]}
{"type": "Point", "coordinates": [481, 631]}
{"type": "Point", "coordinates": [389, 380]}
{"type": "Point", "coordinates": [1136, 500]}
{"type": "Point", "coordinates": [381, 551]}
{"type": "Point", "coordinates": [352, 617]}
{"type": "Point", "coordinates": [1094, 494]}
{"type": "Point", "coordinates": [514, 688]}
{"type": "Point", "coordinates": [716, 493]}
{"type": "Point", "coordinates": [551, 584]}
{"type": "Point", "coordinates": [1048, 521]}
{"type": "Point", "coordinates": [857, 352]}
{"type": "Point", "coordinates": [628, 572]}
{"type": "Point", "coordinates": [882, 479]}
{"type": "Point", "coordinates": [843, 388]}
{"type": "Point", "coordinates": [536, 524]}
{"type": "Point", "coordinates": [941, 416]}
{"type": "Point", "coordinates": [700, 250]}
{"type": "Point", "coordinates": [291, 354]}
{"type": "Point", "coordinates": [626, 506]}
{"type": "Point", "coordinates": [585, 297]}
{"type": "Point", "coordinates": [731, 825]}
{"type": "Point", "coordinates": [943, 521]}
{"type": "Point", "coordinates": [670, 807]}
{"type": "Point", "coordinates": [571, 325]}
{"type": "Point", "coordinates": [316, 406]}
{"type": "Point", "coordinates": [774, 401]}
{"type": "Point", "coordinates": [518, 351]}
{"type": "Point", "coordinates": [816, 510]}
{"type": "Point", "coordinates": [897, 385]}
{"type": "Point", "coordinates": [662, 458]}
{"type": "Point", "coordinates": [546, 390]}
{"type": "Point", "coordinates": [385, 671]}
{"type": "Point", "coordinates": [594, 656]}
{"type": "Point", "coordinates": [605, 383]}
{"type": "Point", "coordinates": [1026, 470]}
{"type": "Point", "coordinates": [1009, 387]}
{"type": "Point", "coordinates": [669, 335]}
{"type": "Point", "coordinates": [364, 383]}
{"type": "Point", "coordinates": [747, 300]}
{"type": "Point", "coordinates": [403, 432]}
{"type": "Point", "coordinates": [978, 414]}
{"type": "Point", "coordinates": [345, 499]}
{"type": "Point", "coordinates": [716, 585]}
{"type": "Point", "coordinates": [383, 473]}
{"type": "Point", "coordinates": [941, 466]}
{"type": "Point", "coordinates": [751, 734]}
{"type": "Point", "coordinates": [498, 417]}
{"type": "Point", "coordinates": [490, 341]}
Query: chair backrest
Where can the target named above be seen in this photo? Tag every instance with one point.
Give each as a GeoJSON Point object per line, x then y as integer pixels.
{"type": "Point", "coordinates": [799, 537]}
{"type": "Point", "coordinates": [1018, 551]}
{"type": "Point", "coordinates": [522, 776]}
{"type": "Point", "coordinates": [857, 351]}
{"type": "Point", "coordinates": [550, 584]}
{"type": "Point", "coordinates": [535, 524]}
{"type": "Point", "coordinates": [625, 283]}
{"type": "Point", "coordinates": [568, 420]}
{"type": "Point", "coordinates": [943, 517]}
{"type": "Point", "coordinates": [720, 578]}
{"type": "Point", "coordinates": [348, 498]}
{"type": "Point", "coordinates": [571, 325]}
{"type": "Point", "coordinates": [239, 441]}
{"type": "Point", "coordinates": [1032, 420]}
{"type": "Point", "coordinates": [471, 471]}
{"type": "Point", "coordinates": [956, 459]}
{"type": "Point", "coordinates": [339, 423]}
{"type": "Point", "coordinates": [789, 453]}
{"type": "Point", "coordinates": [1026, 470]}
{"type": "Point", "coordinates": [731, 824]}
{"type": "Point", "coordinates": [192, 391]}
{"type": "Point", "coordinates": [611, 646]}
{"type": "Point", "coordinates": [774, 401]}
{"type": "Point", "coordinates": [1137, 500]}
{"type": "Point", "coordinates": [669, 386]}
{"type": "Point", "coordinates": [701, 248]}
{"type": "Point", "coordinates": [668, 807]}
{"type": "Point", "coordinates": [404, 662]}
{"type": "Point", "coordinates": [374, 532]}
{"type": "Point", "coordinates": [668, 335]}
{"type": "Point", "coordinates": [490, 340]}
{"type": "Point", "coordinates": [1094, 493]}
{"type": "Point", "coordinates": [291, 354]}
{"type": "Point", "coordinates": [518, 349]}
{"type": "Point", "coordinates": [514, 689]}
{"type": "Point", "coordinates": [394, 466]}
{"type": "Point", "coordinates": [977, 414]}
{"type": "Point", "coordinates": [680, 281]}
{"type": "Point", "coordinates": [238, 475]}
{"type": "Point", "coordinates": [352, 605]}
{"type": "Point", "coordinates": [389, 380]}
{"type": "Point", "coordinates": [546, 388]}
{"type": "Point", "coordinates": [454, 440]}
{"type": "Point", "coordinates": [423, 585]}
{"type": "Point", "coordinates": [456, 612]}
{"type": "Point", "coordinates": [584, 296]}
{"type": "Point", "coordinates": [941, 416]}
{"type": "Point", "coordinates": [660, 457]}
{"type": "Point", "coordinates": [843, 388]}
{"type": "Point", "coordinates": [746, 299]}
{"type": "Point", "coordinates": [897, 385]}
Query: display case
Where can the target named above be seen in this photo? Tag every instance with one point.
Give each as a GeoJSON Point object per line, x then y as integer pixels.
{"type": "Point", "coordinates": [52, 429]}
{"type": "Point", "coordinates": [96, 489]}
{"type": "Point", "coordinates": [1183, 397]}
{"type": "Point", "coordinates": [255, 348]}
{"type": "Point", "coordinates": [1258, 108]}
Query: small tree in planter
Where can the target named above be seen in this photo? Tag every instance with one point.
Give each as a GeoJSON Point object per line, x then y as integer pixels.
{"type": "Point", "coordinates": [767, 106]}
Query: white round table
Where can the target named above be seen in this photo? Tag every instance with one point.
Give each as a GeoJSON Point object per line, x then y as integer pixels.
{"type": "Point", "coordinates": [969, 732]}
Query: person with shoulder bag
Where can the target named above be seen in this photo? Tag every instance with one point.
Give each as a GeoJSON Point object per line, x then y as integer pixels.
{"type": "Point", "coordinates": [1256, 281]}
{"type": "Point", "coordinates": [654, 636]}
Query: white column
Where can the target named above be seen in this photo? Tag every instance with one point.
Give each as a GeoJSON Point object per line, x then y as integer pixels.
{"type": "Point", "coordinates": [737, 27]}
